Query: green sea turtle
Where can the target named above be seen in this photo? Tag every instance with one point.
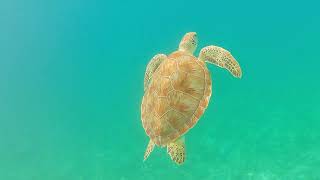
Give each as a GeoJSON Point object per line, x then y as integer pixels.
{"type": "Point", "coordinates": [177, 90]}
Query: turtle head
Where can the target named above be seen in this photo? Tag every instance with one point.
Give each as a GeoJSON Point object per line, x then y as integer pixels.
{"type": "Point", "coordinates": [189, 42]}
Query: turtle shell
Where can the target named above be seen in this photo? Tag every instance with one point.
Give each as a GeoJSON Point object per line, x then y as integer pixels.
{"type": "Point", "coordinates": [176, 97]}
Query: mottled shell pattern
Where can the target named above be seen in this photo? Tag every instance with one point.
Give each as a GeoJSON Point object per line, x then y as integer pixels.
{"type": "Point", "coordinates": [176, 97]}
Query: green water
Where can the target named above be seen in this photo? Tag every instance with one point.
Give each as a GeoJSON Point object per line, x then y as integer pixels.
{"type": "Point", "coordinates": [71, 83]}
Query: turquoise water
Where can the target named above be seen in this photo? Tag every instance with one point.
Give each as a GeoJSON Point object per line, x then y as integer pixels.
{"type": "Point", "coordinates": [71, 83]}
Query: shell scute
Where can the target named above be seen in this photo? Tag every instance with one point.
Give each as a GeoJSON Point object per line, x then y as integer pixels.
{"type": "Point", "coordinates": [175, 119]}
{"type": "Point", "coordinates": [162, 106]}
{"type": "Point", "coordinates": [167, 67]}
{"type": "Point", "coordinates": [183, 103]}
{"type": "Point", "coordinates": [192, 85]}
{"type": "Point", "coordinates": [165, 87]}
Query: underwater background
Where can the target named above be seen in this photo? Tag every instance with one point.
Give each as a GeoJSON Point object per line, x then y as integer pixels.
{"type": "Point", "coordinates": [71, 84]}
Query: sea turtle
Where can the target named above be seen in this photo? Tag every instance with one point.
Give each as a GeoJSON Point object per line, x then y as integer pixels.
{"type": "Point", "coordinates": [177, 90]}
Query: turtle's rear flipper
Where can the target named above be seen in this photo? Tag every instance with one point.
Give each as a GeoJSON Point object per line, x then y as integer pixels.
{"type": "Point", "coordinates": [177, 151]}
{"type": "Point", "coordinates": [148, 150]}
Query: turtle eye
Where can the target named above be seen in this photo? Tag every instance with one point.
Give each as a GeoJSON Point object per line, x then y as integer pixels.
{"type": "Point", "coordinates": [193, 41]}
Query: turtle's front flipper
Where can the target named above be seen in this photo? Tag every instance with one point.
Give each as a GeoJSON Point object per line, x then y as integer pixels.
{"type": "Point", "coordinates": [177, 151]}
{"type": "Point", "coordinates": [221, 58]}
{"type": "Point", "coordinates": [148, 150]}
{"type": "Point", "coordinates": [152, 67]}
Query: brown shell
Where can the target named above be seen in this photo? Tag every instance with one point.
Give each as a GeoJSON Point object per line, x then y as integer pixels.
{"type": "Point", "coordinates": [176, 98]}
